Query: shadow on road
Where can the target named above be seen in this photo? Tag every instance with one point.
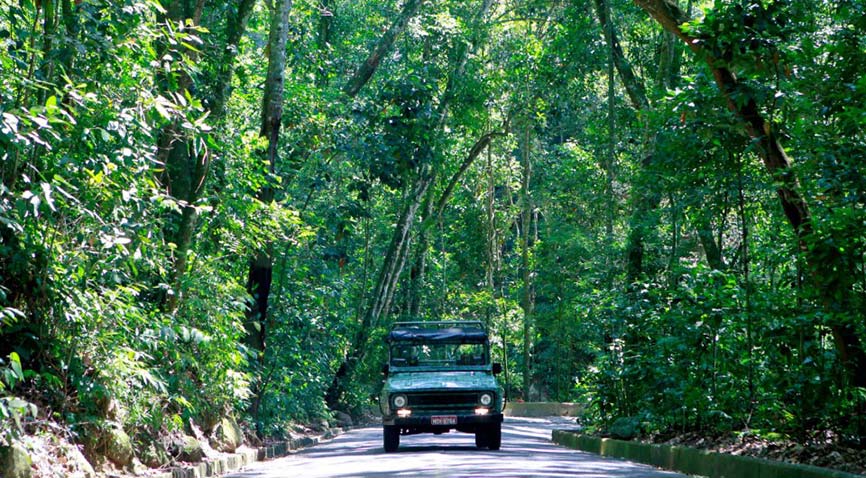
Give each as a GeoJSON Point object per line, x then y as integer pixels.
{"type": "Point", "coordinates": [526, 452]}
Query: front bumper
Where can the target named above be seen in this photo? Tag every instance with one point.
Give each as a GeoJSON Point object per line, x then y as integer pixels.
{"type": "Point", "coordinates": [424, 421]}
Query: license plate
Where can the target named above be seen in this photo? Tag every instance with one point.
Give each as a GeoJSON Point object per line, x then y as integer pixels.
{"type": "Point", "coordinates": [443, 420]}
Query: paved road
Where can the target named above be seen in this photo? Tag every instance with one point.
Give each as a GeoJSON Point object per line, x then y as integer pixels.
{"type": "Point", "coordinates": [526, 452]}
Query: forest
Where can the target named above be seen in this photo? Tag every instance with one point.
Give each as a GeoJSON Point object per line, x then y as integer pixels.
{"type": "Point", "coordinates": [214, 210]}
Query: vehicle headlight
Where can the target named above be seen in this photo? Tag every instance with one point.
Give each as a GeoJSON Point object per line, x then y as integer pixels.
{"type": "Point", "coordinates": [485, 399]}
{"type": "Point", "coordinates": [399, 401]}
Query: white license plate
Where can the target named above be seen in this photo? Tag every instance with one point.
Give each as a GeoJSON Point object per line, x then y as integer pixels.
{"type": "Point", "coordinates": [443, 420]}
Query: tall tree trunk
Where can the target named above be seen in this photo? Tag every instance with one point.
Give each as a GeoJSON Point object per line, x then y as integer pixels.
{"type": "Point", "coordinates": [491, 249]}
{"type": "Point", "coordinates": [712, 249]}
{"type": "Point", "coordinates": [49, 32]}
{"type": "Point", "coordinates": [634, 87]}
{"type": "Point", "coordinates": [395, 256]}
{"type": "Point", "coordinates": [71, 25]}
{"type": "Point", "coordinates": [394, 259]}
{"type": "Point", "coordinates": [823, 259]}
{"type": "Point", "coordinates": [186, 162]}
{"type": "Point", "coordinates": [323, 41]}
{"type": "Point", "coordinates": [235, 28]}
{"type": "Point", "coordinates": [433, 213]}
{"type": "Point", "coordinates": [492, 266]}
{"type": "Point", "coordinates": [611, 123]}
{"type": "Point", "coordinates": [492, 241]}
{"type": "Point", "coordinates": [745, 263]}
{"type": "Point", "coordinates": [221, 89]}
{"type": "Point", "coordinates": [527, 302]}
{"type": "Point", "coordinates": [474, 152]}
{"type": "Point", "coordinates": [389, 274]}
{"type": "Point", "coordinates": [261, 266]}
{"type": "Point", "coordinates": [419, 266]}
{"type": "Point", "coordinates": [646, 199]}
{"type": "Point", "coordinates": [669, 61]}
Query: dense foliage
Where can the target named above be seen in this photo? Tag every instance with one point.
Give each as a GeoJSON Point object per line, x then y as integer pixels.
{"type": "Point", "coordinates": [658, 208]}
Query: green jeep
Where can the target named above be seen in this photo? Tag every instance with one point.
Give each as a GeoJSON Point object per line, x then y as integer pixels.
{"type": "Point", "coordinates": [439, 378]}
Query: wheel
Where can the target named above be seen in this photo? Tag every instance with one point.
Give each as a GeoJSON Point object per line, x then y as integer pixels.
{"type": "Point", "coordinates": [391, 438]}
{"type": "Point", "coordinates": [481, 438]}
{"type": "Point", "coordinates": [494, 436]}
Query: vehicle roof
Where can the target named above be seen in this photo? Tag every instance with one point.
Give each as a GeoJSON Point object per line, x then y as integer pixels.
{"type": "Point", "coordinates": [454, 331]}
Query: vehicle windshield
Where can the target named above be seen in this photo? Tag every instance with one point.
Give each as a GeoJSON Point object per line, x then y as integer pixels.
{"type": "Point", "coordinates": [438, 355]}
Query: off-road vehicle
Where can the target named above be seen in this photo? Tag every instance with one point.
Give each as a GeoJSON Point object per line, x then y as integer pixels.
{"type": "Point", "coordinates": [439, 378]}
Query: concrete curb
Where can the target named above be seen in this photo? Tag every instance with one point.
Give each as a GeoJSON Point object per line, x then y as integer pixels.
{"type": "Point", "coordinates": [693, 461]}
{"type": "Point", "coordinates": [542, 409]}
{"type": "Point", "coordinates": [240, 459]}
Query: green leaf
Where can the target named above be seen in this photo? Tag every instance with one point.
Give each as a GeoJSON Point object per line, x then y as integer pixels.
{"type": "Point", "coordinates": [15, 363]}
{"type": "Point", "coordinates": [51, 105]}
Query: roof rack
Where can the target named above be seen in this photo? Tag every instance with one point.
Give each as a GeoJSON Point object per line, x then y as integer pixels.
{"type": "Point", "coordinates": [439, 324]}
{"type": "Point", "coordinates": [463, 331]}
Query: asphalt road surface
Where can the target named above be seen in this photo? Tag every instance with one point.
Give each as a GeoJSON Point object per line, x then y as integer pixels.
{"type": "Point", "coordinates": [526, 452]}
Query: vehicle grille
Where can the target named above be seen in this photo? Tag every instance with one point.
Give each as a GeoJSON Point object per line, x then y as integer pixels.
{"type": "Point", "coordinates": [443, 401]}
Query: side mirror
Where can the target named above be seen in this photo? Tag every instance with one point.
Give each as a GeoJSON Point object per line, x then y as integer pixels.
{"type": "Point", "coordinates": [497, 368]}
{"type": "Point", "coordinates": [385, 369]}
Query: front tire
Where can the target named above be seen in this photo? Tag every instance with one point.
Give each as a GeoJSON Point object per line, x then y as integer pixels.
{"type": "Point", "coordinates": [494, 436]}
{"type": "Point", "coordinates": [390, 438]}
{"type": "Point", "coordinates": [481, 438]}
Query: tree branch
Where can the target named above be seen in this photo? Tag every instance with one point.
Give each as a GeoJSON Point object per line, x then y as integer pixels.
{"type": "Point", "coordinates": [371, 64]}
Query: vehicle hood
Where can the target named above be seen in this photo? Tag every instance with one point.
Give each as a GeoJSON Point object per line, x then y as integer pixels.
{"type": "Point", "coordinates": [455, 380]}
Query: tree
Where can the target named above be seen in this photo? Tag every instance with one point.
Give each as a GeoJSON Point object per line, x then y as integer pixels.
{"type": "Point", "coordinates": [261, 265]}
{"type": "Point", "coordinates": [365, 70]}
{"type": "Point", "coordinates": [185, 153]}
{"type": "Point", "coordinates": [824, 261]}
{"type": "Point", "coordinates": [398, 249]}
